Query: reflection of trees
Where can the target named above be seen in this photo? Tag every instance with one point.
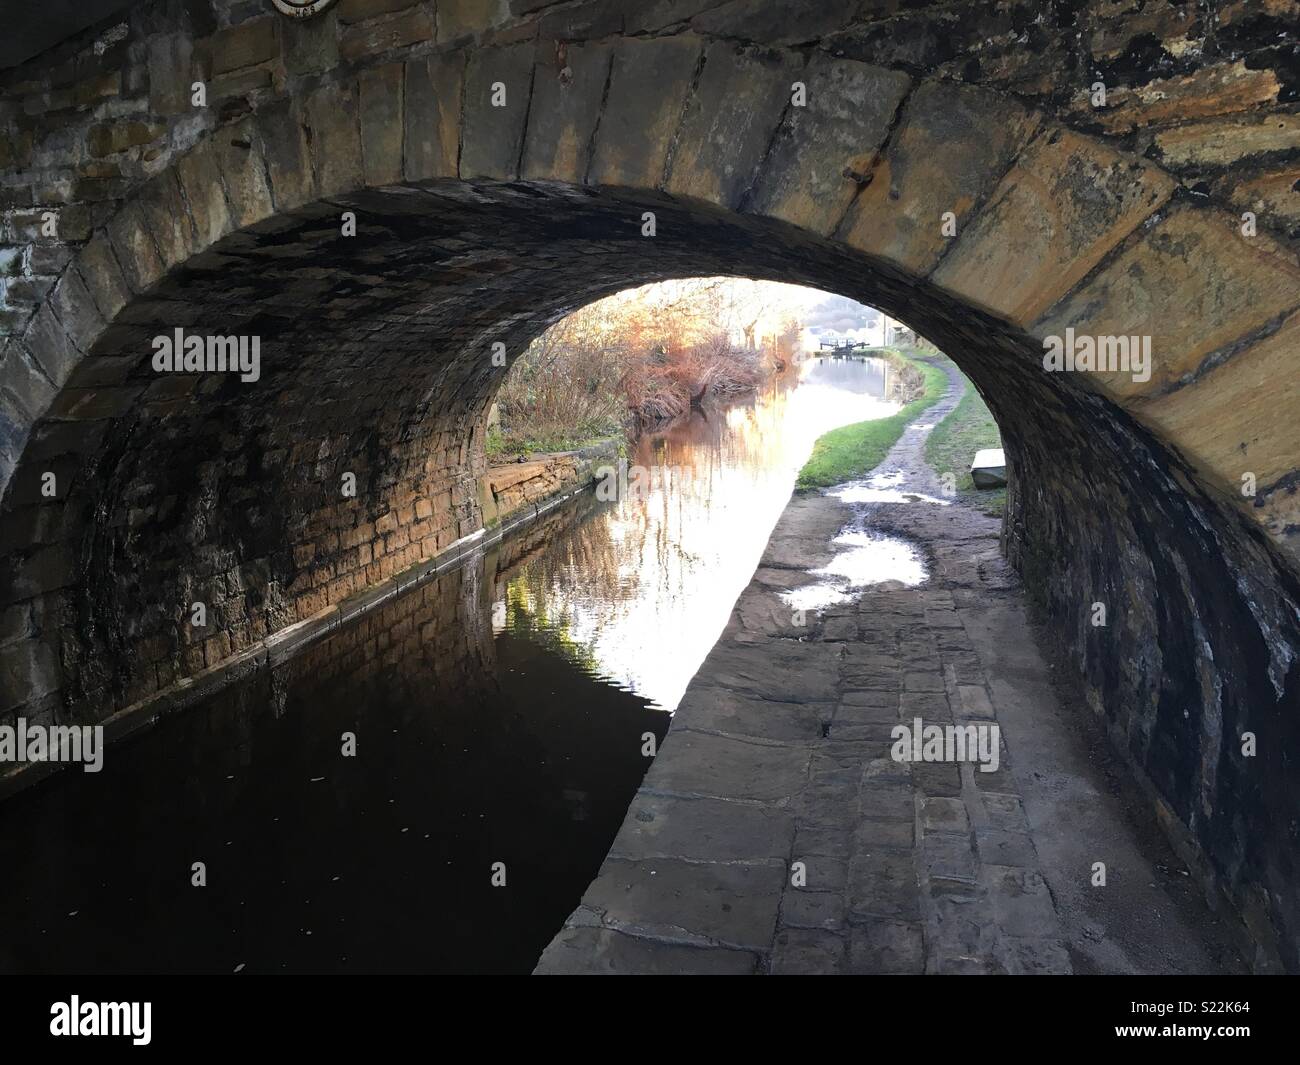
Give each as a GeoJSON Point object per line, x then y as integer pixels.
{"type": "Point", "coordinates": [533, 614]}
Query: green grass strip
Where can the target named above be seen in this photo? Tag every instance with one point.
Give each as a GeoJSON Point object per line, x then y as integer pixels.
{"type": "Point", "coordinates": [952, 446]}
{"type": "Point", "coordinates": [850, 452]}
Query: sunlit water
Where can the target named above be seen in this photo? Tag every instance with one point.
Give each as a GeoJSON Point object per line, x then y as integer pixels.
{"type": "Point", "coordinates": [649, 602]}
{"type": "Point", "coordinates": [498, 713]}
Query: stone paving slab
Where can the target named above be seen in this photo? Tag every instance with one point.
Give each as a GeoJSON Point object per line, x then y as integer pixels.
{"type": "Point", "coordinates": [577, 951]}
{"type": "Point", "coordinates": [702, 829]}
{"type": "Point", "coordinates": [707, 904]}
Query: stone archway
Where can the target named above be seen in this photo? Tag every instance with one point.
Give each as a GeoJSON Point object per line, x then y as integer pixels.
{"type": "Point", "coordinates": [499, 185]}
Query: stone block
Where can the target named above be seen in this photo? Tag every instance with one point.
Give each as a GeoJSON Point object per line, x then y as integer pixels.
{"type": "Point", "coordinates": [879, 945]}
{"type": "Point", "coordinates": [380, 91]}
{"type": "Point", "coordinates": [649, 84]}
{"type": "Point", "coordinates": [731, 905]}
{"type": "Point", "coordinates": [244, 45]}
{"type": "Point", "coordinates": [280, 137]}
{"type": "Point", "coordinates": [730, 121]}
{"type": "Point", "coordinates": [1193, 284]}
{"type": "Point", "coordinates": [459, 18]}
{"type": "Point", "coordinates": [374, 38]}
{"type": "Point", "coordinates": [887, 801]}
{"type": "Point", "coordinates": [1226, 141]}
{"type": "Point", "coordinates": [200, 177]}
{"type": "Point", "coordinates": [1021, 902]}
{"type": "Point", "coordinates": [1218, 89]}
{"type": "Point", "coordinates": [310, 46]}
{"type": "Point", "coordinates": [76, 310]}
{"type": "Point", "coordinates": [47, 342]}
{"type": "Point", "coordinates": [716, 710]}
{"type": "Point", "coordinates": [493, 135]}
{"type": "Point", "coordinates": [100, 87]}
{"type": "Point", "coordinates": [134, 248]}
{"type": "Point", "coordinates": [238, 83]}
{"type": "Point", "coordinates": [243, 172]}
{"type": "Point", "coordinates": [567, 95]}
{"type": "Point", "coordinates": [949, 856]}
{"type": "Point", "coordinates": [603, 950]}
{"type": "Point", "coordinates": [349, 12]}
{"type": "Point", "coordinates": [825, 148]}
{"type": "Point", "coordinates": [167, 217]}
{"type": "Point", "coordinates": [29, 671]}
{"type": "Point", "coordinates": [975, 701]}
{"type": "Point", "coordinates": [1065, 203]}
{"type": "Point", "coordinates": [952, 146]}
{"type": "Point", "coordinates": [330, 114]}
{"type": "Point", "coordinates": [431, 144]}
{"type": "Point", "coordinates": [884, 884]}
{"type": "Point", "coordinates": [940, 814]}
{"type": "Point", "coordinates": [703, 764]}
{"type": "Point", "coordinates": [1236, 418]}
{"type": "Point", "coordinates": [23, 382]}
{"type": "Point", "coordinates": [801, 908]}
{"type": "Point", "coordinates": [702, 830]}
{"type": "Point", "coordinates": [45, 569]}
{"type": "Point", "coordinates": [871, 835]}
{"type": "Point", "coordinates": [109, 138]}
{"type": "Point", "coordinates": [807, 951]}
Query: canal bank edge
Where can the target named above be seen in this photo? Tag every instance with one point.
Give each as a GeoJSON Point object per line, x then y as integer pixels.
{"type": "Point", "coordinates": [513, 496]}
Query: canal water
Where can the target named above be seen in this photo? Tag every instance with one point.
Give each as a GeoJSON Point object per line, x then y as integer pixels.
{"type": "Point", "coordinates": [495, 720]}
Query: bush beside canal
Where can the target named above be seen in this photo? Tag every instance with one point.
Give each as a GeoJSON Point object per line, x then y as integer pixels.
{"type": "Point", "coordinates": [852, 451]}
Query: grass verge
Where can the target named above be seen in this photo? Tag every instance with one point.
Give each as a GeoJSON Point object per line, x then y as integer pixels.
{"type": "Point", "coordinates": [851, 451]}
{"type": "Point", "coordinates": [952, 446]}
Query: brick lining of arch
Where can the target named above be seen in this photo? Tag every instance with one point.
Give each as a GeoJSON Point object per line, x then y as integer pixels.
{"type": "Point", "coordinates": [478, 223]}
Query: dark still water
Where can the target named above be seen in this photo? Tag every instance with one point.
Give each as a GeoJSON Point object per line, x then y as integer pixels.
{"type": "Point", "coordinates": [498, 713]}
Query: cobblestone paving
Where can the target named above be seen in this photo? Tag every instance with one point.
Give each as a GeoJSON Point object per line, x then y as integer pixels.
{"type": "Point", "coordinates": [774, 832]}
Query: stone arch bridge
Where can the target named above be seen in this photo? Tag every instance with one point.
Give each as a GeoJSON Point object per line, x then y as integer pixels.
{"type": "Point", "coordinates": [187, 164]}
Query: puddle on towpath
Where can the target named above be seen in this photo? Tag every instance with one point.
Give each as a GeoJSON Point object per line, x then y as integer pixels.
{"type": "Point", "coordinates": [867, 556]}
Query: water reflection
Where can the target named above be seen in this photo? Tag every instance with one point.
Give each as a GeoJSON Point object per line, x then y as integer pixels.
{"type": "Point", "coordinates": [646, 586]}
{"type": "Point", "coordinates": [871, 558]}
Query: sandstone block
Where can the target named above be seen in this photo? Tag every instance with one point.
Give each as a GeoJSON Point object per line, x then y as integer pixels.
{"type": "Point", "coordinates": [134, 248]}
{"type": "Point", "coordinates": [372, 38]}
{"type": "Point", "coordinates": [827, 146]}
{"type": "Point", "coordinates": [432, 118]}
{"type": "Point", "coordinates": [953, 145]}
{"type": "Point", "coordinates": [381, 123]}
{"type": "Point", "coordinates": [648, 87]}
{"type": "Point", "coordinates": [1064, 204]}
{"type": "Point", "coordinates": [498, 84]}
{"type": "Point", "coordinates": [331, 115]}
{"type": "Point", "coordinates": [1236, 418]}
{"type": "Point", "coordinates": [567, 95]}
{"type": "Point", "coordinates": [244, 45]}
{"type": "Point", "coordinates": [199, 174]}
{"type": "Point", "coordinates": [730, 122]}
{"type": "Point", "coordinates": [279, 135]}
{"type": "Point", "coordinates": [1193, 284]}
{"type": "Point", "coordinates": [167, 217]}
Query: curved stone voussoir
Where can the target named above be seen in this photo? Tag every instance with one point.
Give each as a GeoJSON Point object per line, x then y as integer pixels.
{"type": "Point", "coordinates": [952, 145]}
{"type": "Point", "coordinates": [1062, 206]}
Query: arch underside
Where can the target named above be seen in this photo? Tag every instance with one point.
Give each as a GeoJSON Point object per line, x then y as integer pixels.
{"type": "Point", "coordinates": [376, 360]}
{"type": "Point", "coordinates": [477, 226]}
